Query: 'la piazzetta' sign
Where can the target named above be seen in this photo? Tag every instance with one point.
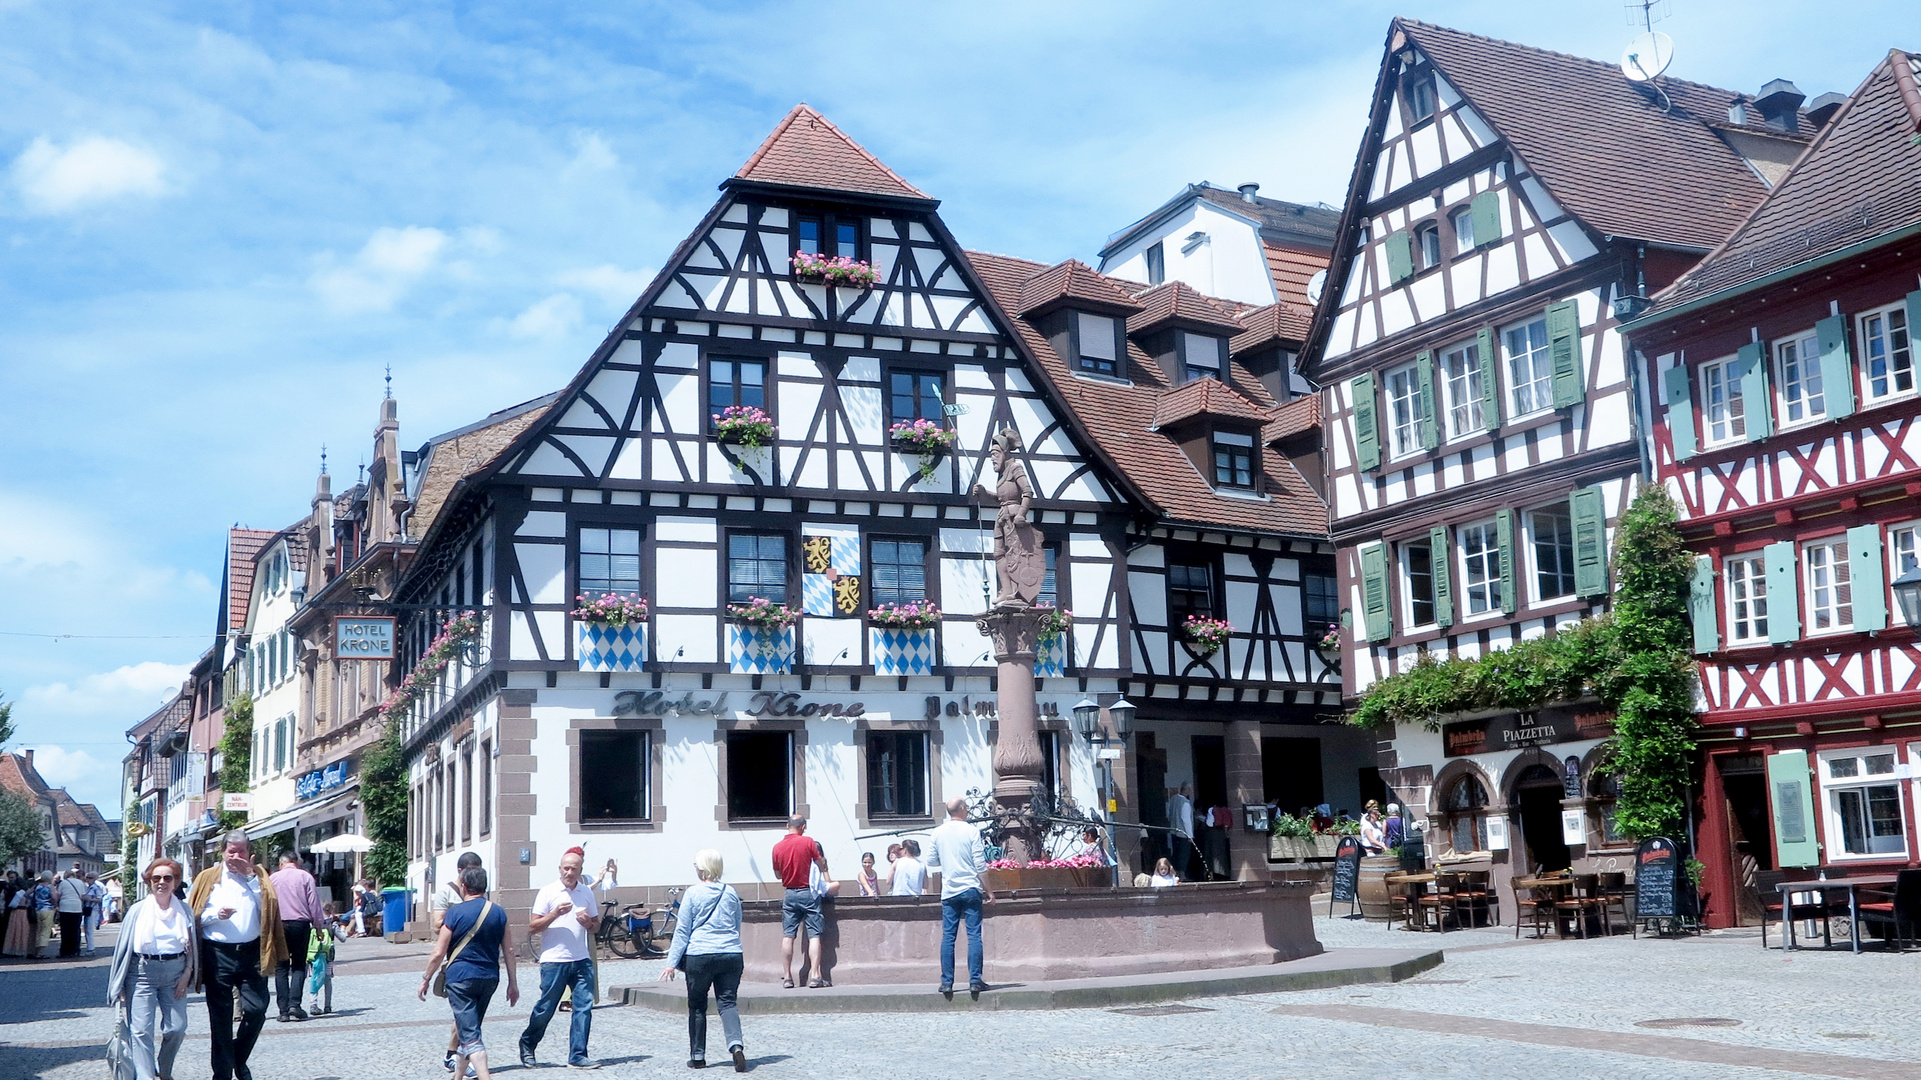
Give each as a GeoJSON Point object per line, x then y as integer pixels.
{"type": "Point", "coordinates": [364, 637]}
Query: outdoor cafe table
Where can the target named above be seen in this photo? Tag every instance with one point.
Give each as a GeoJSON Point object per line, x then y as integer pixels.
{"type": "Point", "coordinates": [1412, 881]}
{"type": "Point", "coordinates": [1850, 884]}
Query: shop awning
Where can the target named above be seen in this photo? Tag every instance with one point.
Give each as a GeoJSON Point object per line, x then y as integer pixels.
{"type": "Point", "coordinates": [291, 819]}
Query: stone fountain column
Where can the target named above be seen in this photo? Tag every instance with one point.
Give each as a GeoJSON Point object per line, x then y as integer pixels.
{"type": "Point", "coordinates": [1015, 633]}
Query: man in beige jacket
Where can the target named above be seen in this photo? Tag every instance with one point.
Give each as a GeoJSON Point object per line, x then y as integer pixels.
{"type": "Point", "coordinates": [241, 941]}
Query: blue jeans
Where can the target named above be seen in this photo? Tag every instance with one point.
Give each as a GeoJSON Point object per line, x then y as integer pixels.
{"type": "Point", "coordinates": [469, 999]}
{"type": "Point", "coordinates": [952, 908]}
{"type": "Point", "coordinates": [554, 978]}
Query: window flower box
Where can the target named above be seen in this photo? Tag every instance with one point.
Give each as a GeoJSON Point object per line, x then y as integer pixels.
{"type": "Point", "coordinates": [744, 425]}
{"type": "Point", "coordinates": [924, 439]}
{"type": "Point", "coordinates": [600, 646]}
{"type": "Point", "coordinates": [900, 651]}
{"type": "Point", "coordinates": [1206, 636]}
{"type": "Point", "coordinates": [760, 650]}
{"type": "Point", "coordinates": [839, 272]}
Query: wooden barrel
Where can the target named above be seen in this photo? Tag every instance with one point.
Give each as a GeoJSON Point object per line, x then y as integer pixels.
{"type": "Point", "coordinates": [1373, 887]}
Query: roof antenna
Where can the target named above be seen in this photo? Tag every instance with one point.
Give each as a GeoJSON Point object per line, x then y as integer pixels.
{"type": "Point", "coordinates": [1650, 53]}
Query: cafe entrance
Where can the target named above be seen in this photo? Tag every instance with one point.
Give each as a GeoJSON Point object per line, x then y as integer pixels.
{"type": "Point", "coordinates": [1750, 854]}
{"type": "Point", "coordinates": [1537, 799]}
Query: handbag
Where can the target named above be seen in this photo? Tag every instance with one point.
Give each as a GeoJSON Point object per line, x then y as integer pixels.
{"type": "Point", "coordinates": [440, 973]}
{"type": "Point", "coordinates": [120, 1047]}
{"type": "Point", "coordinates": [711, 908]}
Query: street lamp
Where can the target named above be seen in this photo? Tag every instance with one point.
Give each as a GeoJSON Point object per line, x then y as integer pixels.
{"type": "Point", "coordinates": [1087, 721]}
{"type": "Point", "coordinates": [1087, 718]}
{"type": "Point", "coordinates": [1907, 592]}
{"type": "Point", "coordinates": [1123, 713]}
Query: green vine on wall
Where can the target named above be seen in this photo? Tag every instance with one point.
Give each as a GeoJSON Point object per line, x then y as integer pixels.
{"type": "Point", "coordinates": [383, 792]}
{"type": "Point", "coordinates": [236, 757]}
{"type": "Point", "coordinates": [1635, 660]}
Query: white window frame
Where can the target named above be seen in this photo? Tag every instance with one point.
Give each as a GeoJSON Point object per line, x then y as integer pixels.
{"type": "Point", "coordinates": [1797, 381]}
{"type": "Point", "coordinates": [1487, 534]}
{"type": "Point", "coordinates": [1835, 788]}
{"type": "Point", "coordinates": [1825, 577]}
{"type": "Point", "coordinates": [1429, 259]}
{"type": "Point", "coordinates": [1397, 429]}
{"type": "Point", "coordinates": [1464, 417]}
{"type": "Point", "coordinates": [1875, 331]}
{"type": "Point", "coordinates": [1724, 417]}
{"type": "Point", "coordinates": [1534, 553]}
{"type": "Point", "coordinates": [1406, 553]}
{"type": "Point", "coordinates": [1904, 548]}
{"type": "Point", "coordinates": [1530, 374]}
{"type": "Point", "coordinates": [1745, 579]}
{"type": "Point", "coordinates": [1462, 222]}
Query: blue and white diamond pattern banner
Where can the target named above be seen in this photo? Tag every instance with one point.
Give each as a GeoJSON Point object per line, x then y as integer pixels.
{"type": "Point", "coordinates": [610, 646]}
{"type": "Point", "coordinates": [901, 652]}
{"type": "Point", "coordinates": [1050, 660]}
{"type": "Point", "coordinates": [759, 650]}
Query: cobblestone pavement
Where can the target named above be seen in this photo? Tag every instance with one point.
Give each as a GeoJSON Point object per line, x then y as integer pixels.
{"type": "Point", "coordinates": [1496, 1008]}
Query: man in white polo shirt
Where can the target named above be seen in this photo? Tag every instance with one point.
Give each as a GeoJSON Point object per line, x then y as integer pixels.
{"type": "Point", "coordinates": [565, 916]}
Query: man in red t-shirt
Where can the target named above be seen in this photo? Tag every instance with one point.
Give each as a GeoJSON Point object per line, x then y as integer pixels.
{"type": "Point", "coordinates": [794, 859]}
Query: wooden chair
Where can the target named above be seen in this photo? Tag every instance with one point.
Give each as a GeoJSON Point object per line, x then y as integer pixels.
{"type": "Point", "coordinates": [1474, 898]}
{"type": "Point", "coordinates": [1439, 906]}
{"type": "Point", "coordinates": [1533, 905]}
{"type": "Point", "coordinates": [1401, 900]}
{"type": "Point", "coordinates": [1577, 901]}
{"type": "Point", "coordinates": [1614, 893]}
{"type": "Point", "coordinates": [1898, 908]}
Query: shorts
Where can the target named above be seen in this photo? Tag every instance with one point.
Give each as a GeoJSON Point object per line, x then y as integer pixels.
{"type": "Point", "coordinates": [469, 999]}
{"type": "Point", "coordinates": [800, 904]}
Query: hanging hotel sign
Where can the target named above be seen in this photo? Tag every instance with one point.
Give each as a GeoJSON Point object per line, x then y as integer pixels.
{"type": "Point", "coordinates": [1513, 731]}
{"type": "Point", "coordinates": [320, 780]}
{"type": "Point", "coordinates": [364, 637]}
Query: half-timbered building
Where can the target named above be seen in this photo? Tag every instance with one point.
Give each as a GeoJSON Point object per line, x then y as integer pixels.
{"type": "Point", "coordinates": [1788, 426]}
{"type": "Point", "coordinates": [1480, 418]}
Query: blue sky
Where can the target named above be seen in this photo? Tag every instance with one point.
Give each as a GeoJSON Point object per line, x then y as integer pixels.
{"type": "Point", "coordinates": [221, 221]}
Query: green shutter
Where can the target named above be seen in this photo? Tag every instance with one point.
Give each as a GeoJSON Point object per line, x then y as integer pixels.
{"type": "Point", "coordinates": [1504, 534]}
{"type": "Point", "coordinates": [1487, 218]}
{"type": "Point", "coordinates": [1589, 511]}
{"type": "Point", "coordinates": [1784, 593]}
{"type": "Point", "coordinates": [1367, 422]}
{"type": "Point", "coordinates": [1914, 317]}
{"type": "Point", "coordinates": [1380, 626]}
{"type": "Point", "coordinates": [1702, 609]}
{"type": "Point", "coordinates": [1424, 375]}
{"type": "Point", "coordinates": [1792, 801]}
{"type": "Point", "coordinates": [1757, 402]}
{"type": "Point", "coordinates": [1490, 380]}
{"type": "Point", "coordinates": [1441, 558]}
{"type": "Point", "coordinates": [1400, 257]}
{"type": "Point", "coordinates": [1867, 578]}
{"type": "Point", "coordinates": [1680, 411]}
{"type": "Point", "coordinates": [1837, 370]}
{"type": "Point", "coordinates": [1564, 349]}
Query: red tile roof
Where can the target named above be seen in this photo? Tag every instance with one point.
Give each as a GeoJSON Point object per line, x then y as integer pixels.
{"type": "Point", "coordinates": [1860, 179]}
{"type": "Point", "coordinates": [1291, 268]}
{"type": "Point", "coordinates": [1208, 397]}
{"type": "Point", "coordinates": [19, 777]}
{"type": "Point", "coordinates": [1119, 417]}
{"type": "Point", "coordinates": [1275, 322]}
{"type": "Point", "coordinates": [242, 546]}
{"type": "Point", "coordinates": [1074, 280]}
{"type": "Point", "coordinates": [1611, 155]}
{"type": "Point", "coordinates": [1297, 417]}
{"type": "Point", "coordinates": [1177, 301]}
{"type": "Point", "coordinates": [807, 150]}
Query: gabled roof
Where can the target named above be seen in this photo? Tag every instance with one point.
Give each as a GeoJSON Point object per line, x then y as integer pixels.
{"type": "Point", "coordinates": [1070, 281]}
{"type": "Point", "coordinates": [1861, 179]}
{"type": "Point", "coordinates": [1206, 397]}
{"type": "Point", "coordinates": [1297, 417]}
{"type": "Point", "coordinates": [1178, 302]}
{"type": "Point", "coordinates": [1264, 325]}
{"type": "Point", "coordinates": [808, 151]}
{"type": "Point", "coordinates": [19, 777]}
{"type": "Point", "coordinates": [1291, 267]}
{"type": "Point", "coordinates": [242, 546]}
{"type": "Point", "coordinates": [447, 459]}
{"type": "Point", "coordinates": [1612, 155]}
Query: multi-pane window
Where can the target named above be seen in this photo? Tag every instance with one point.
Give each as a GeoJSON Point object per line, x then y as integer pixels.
{"type": "Point", "coordinates": [1200, 355]}
{"type": "Point", "coordinates": [609, 561]}
{"type": "Point", "coordinates": [1480, 567]}
{"type": "Point", "coordinates": [1156, 264]}
{"type": "Point", "coordinates": [1722, 410]}
{"type": "Point", "coordinates": [1428, 239]}
{"type": "Point", "coordinates": [1747, 584]}
{"type": "Point", "coordinates": [1553, 536]}
{"type": "Point", "coordinates": [1904, 549]}
{"type": "Point", "coordinates": [1466, 815]}
{"type": "Point", "coordinates": [1190, 591]}
{"type": "Point", "coordinates": [1461, 374]}
{"type": "Point", "coordinates": [1797, 379]}
{"type": "Point", "coordinates": [1419, 90]}
{"type": "Point", "coordinates": [1233, 459]}
{"type": "Point", "coordinates": [897, 571]}
{"type": "Point", "coordinates": [736, 382]}
{"type": "Point", "coordinates": [1098, 341]}
{"type": "Point", "coordinates": [1404, 411]}
{"type": "Point", "coordinates": [1830, 594]}
{"type": "Point", "coordinates": [827, 236]}
{"type": "Point", "coordinates": [1863, 802]}
{"type": "Point", "coordinates": [915, 395]}
{"type": "Point", "coordinates": [896, 774]}
{"type": "Point", "coordinates": [615, 776]}
{"type": "Point", "coordinates": [756, 567]}
{"type": "Point", "coordinates": [1417, 567]}
{"type": "Point", "coordinates": [1463, 220]}
{"type": "Point", "coordinates": [1888, 350]}
{"type": "Point", "coordinates": [1323, 599]}
{"type": "Point", "coordinates": [760, 775]}
{"type": "Point", "coordinates": [1050, 587]}
{"type": "Point", "coordinates": [1530, 369]}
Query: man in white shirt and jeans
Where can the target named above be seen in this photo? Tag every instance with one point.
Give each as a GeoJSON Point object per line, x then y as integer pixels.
{"type": "Point", "coordinates": [565, 916]}
{"type": "Point", "coordinates": [958, 852]}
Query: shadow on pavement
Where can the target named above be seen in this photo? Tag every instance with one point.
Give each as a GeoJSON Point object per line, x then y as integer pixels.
{"type": "Point", "coordinates": [34, 1062]}
{"type": "Point", "coordinates": [59, 991]}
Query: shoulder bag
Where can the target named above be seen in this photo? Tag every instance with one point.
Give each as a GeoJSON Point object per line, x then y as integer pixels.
{"type": "Point", "coordinates": [705, 915]}
{"type": "Point", "coordinates": [440, 974]}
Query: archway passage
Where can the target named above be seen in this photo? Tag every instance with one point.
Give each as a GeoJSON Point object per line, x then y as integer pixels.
{"type": "Point", "coordinates": [1538, 794]}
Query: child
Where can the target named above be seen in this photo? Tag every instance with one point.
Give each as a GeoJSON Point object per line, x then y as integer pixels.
{"type": "Point", "coordinates": [320, 956]}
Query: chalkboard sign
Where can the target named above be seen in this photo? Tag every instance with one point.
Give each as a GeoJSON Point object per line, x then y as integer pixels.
{"type": "Point", "coordinates": [1347, 873]}
{"type": "Point", "coordinates": [1657, 863]}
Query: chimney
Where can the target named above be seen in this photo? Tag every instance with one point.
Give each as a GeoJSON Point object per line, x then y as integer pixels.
{"type": "Point", "coordinates": [1779, 103]}
{"type": "Point", "coordinates": [29, 757]}
{"type": "Point", "coordinates": [1824, 107]}
{"type": "Point", "coordinates": [1247, 191]}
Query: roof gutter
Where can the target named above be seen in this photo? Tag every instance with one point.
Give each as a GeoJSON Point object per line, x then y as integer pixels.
{"type": "Point", "coordinates": [1656, 318]}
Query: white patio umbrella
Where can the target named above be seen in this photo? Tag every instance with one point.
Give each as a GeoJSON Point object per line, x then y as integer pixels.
{"type": "Point", "coordinates": [344, 844]}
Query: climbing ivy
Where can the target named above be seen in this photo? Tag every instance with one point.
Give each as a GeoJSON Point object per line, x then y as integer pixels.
{"type": "Point", "coordinates": [383, 791]}
{"type": "Point", "coordinates": [236, 757]}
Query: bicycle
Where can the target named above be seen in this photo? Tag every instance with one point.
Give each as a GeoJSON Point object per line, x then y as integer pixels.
{"type": "Point", "coordinates": [635, 932]}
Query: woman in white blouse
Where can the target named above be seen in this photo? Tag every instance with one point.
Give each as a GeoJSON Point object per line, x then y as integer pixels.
{"type": "Point", "coordinates": [153, 967]}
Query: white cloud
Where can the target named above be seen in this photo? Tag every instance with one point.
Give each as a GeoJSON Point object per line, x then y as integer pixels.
{"type": "Point", "coordinates": [134, 689]}
{"type": "Point", "coordinates": [386, 266]}
{"type": "Point", "coordinates": [58, 180]}
{"type": "Point", "coordinates": [614, 286]}
{"type": "Point", "coordinates": [61, 767]}
{"type": "Point", "coordinates": [552, 317]}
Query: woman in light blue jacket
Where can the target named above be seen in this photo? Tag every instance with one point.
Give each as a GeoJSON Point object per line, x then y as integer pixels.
{"type": "Point", "coordinates": [707, 947]}
{"type": "Point", "coordinates": [154, 965]}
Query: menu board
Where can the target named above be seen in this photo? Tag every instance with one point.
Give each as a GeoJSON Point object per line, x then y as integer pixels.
{"type": "Point", "coordinates": [1347, 870]}
{"type": "Point", "coordinates": [1656, 863]}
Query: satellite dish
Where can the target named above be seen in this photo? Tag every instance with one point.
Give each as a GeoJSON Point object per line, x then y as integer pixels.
{"type": "Point", "coordinates": [1315, 285]}
{"type": "Point", "coordinates": [1647, 56]}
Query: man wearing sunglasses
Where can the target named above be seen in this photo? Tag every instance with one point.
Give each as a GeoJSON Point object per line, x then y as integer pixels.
{"type": "Point", "coordinates": [241, 942]}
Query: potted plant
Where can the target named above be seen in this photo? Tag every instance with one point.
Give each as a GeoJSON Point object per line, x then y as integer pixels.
{"type": "Point", "coordinates": [610, 632]}
{"type": "Point", "coordinates": [840, 272]}
{"type": "Point", "coordinates": [900, 637]}
{"type": "Point", "coordinates": [1290, 838]}
{"type": "Point", "coordinates": [1050, 653]}
{"type": "Point", "coordinates": [744, 425]}
{"type": "Point", "coordinates": [1329, 647]}
{"type": "Point", "coordinates": [925, 439]}
{"type": "Point", "coordinates": [760, 639]}
{"type": "Point", "coordinates": [1206, 636]}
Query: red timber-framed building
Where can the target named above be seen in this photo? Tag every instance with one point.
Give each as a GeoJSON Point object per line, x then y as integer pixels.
{"type": "Point", "coordinates": [1788, 427]}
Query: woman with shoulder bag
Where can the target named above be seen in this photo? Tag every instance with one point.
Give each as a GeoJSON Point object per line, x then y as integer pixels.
{"type": "Point", "coordinates": [707, 947]}
{"type": "Point", "coordinates": [477, 943]}
{"type": "Point", "coordinates": [155, 962]}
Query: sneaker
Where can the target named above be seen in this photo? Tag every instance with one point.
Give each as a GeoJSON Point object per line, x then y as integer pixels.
{"type": "Point", "coordinates": [977, 986]}
{"type": "Point", "coordinates": [583, 1064]}
{"type": "Point", "coordinates": [448, 1061]}
{"type": "Point", "coordinates": [299, 1013]}
{"type": "Point", "coordinates": [946, 988]}
{"type": "Point", "coordinates": [740, 1059]}
{"type": "Point", "coordinates": [527, 1057]}
{"type": "Point", "coordinates": [472, 1073]}
{"type": "Point", "coordinates": [696, 1063]}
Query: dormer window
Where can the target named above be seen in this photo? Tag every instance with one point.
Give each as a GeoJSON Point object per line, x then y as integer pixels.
{"type": "Point", "coordinates": [826, 235]}
{"type": "Point", "coordinates": [1156, 264]}
{"type": "Point", "coordinates": [1097, 343]}
{"type": "Point", "coordinates": [1233, 460]}
{"type": "Point", "coordinates": [1427, 239]}
{"type": "Point", "coordinates": [1201, 356]}
{"type": "Point", "coordinates": [1418, 91]}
